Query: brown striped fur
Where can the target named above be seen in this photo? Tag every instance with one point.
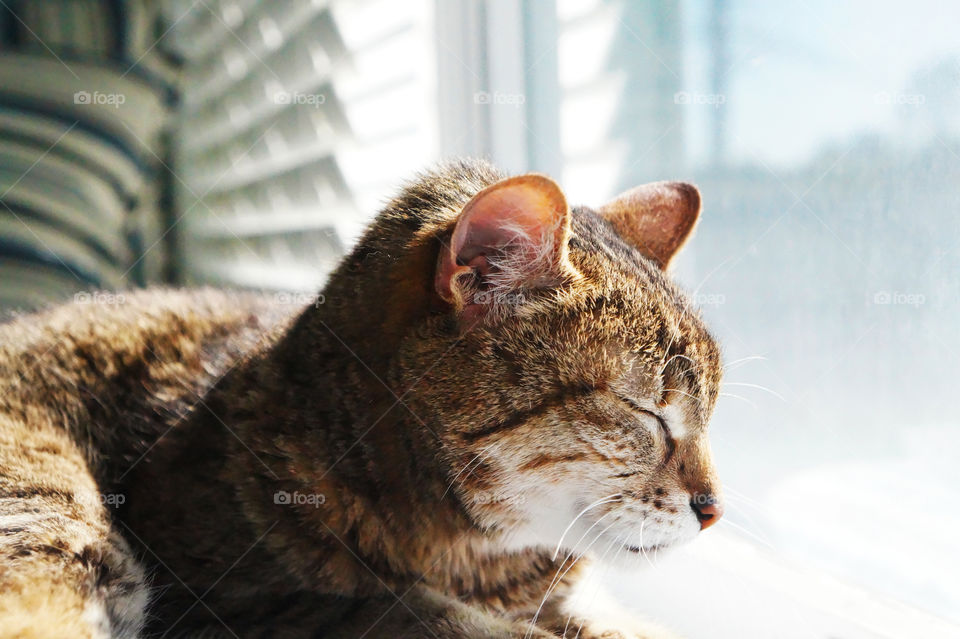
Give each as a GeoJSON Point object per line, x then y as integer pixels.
{"type": "Point", "coordinates": [433, 457]}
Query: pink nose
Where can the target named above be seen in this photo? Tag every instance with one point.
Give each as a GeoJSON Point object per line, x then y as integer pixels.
{"type": "Point", "coordinates": [708, 510]}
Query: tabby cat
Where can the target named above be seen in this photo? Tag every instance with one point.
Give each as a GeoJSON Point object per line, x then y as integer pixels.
{"type": "Point", "coordinates": [492, 387]}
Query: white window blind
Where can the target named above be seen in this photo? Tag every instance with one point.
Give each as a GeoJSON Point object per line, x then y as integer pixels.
{"type": "Point", "coordinates": [298, 118]}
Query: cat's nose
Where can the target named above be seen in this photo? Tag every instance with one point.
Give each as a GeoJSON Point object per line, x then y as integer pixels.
{"type": "Point", "coordinates": [707, 508]}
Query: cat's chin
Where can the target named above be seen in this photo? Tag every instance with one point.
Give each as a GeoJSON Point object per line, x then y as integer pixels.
{"type": "Point", "coordinates": [645, 553]}
{"type": "Point", "coordinates": [630, 557]}
{"type": "Point", "coordinates": [649, 551]}
{"type": "Point", "coordinates": [640, 550]}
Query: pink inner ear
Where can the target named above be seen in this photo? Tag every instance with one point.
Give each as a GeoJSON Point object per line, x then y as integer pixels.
{"type": "Point", "coordinates": [518, 221]}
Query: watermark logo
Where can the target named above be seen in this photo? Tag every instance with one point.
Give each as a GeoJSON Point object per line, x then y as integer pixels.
{"type": "Point", "coordinates": [296, 98]}
{"type": "Point", "coordinates": [710, 299]}
{"type": "Point", "coordinates": [703, 499]}
{"type": "Point", "coordinates": [716, 100]}
{"type": "Point", "coordinates": [897, 298]}
{"type": "Point", "coordinates": [299, 299]}
{"type": "Point", "coordinates": [98, 98]}
{"type": "Point", "coordinates": [296, 498]}
{"type": "Point", "coordinates": [110, 500]}
{"type": "Point", "coordinates": [505, 299]}
{"type": "Point", "coordinates": [511, 99]}
{"type": "Point", "coordinates": [113, 500]}
{"type": "Point", "coordinates": [909, 99]}
{"type": "Point", "coordinates": [100, 297]}
{"type": "Point", "coordinates": [491, 498]}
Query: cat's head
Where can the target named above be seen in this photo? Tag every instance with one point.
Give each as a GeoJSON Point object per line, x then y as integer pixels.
{"type": "Point", "coordinates": [568, 381]}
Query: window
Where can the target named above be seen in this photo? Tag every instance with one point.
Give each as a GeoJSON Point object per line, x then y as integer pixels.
{"type": "Point", "coordinates": [825, 139]}
{"type": "Point", "coordinates": [246, 143]}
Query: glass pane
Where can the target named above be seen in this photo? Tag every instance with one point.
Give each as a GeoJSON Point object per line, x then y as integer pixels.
{"type": "Point", "coordinates": [825, 138]}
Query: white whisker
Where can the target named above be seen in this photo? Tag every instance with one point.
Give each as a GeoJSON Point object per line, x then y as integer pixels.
{"type": "Point", "coordinates": [748, 533]}
{"type": "Point", "coordinates": [663, 366]}
{"type": "Point", "coordinates": [643, 550]}
{"type": "Point", "coordinates": [677, 390]}
{"type": "Point", "coordinates": [477, 459]}
{"type": "Point", "coordinates": [741, 361]}
{"type": "Point", "coordinates": [613, 544]}
{"type": "Point", "coordinates": [731, 491]}
{"type": "Point", "coordinates": [758, 387]}
{"type": "Point", "coordinates": [599, 502]}
{"type": "Point", "coordinates": [741, 398]}
{"type": "Point", "coordinates": [743, 512]}
{"type": "Point", "coordinates": [559, 578]}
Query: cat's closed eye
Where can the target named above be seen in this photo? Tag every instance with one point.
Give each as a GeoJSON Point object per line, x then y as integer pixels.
{"type": "Point", "coordinates": [636, 408]}
{"type": "Point", "coordinates": [669, 441]}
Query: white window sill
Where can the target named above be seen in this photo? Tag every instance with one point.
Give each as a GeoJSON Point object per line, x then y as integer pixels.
{"type": "Point", "coordinates": [724, 587]}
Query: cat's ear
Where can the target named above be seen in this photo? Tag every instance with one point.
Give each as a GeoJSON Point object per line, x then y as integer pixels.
{"type": "Point", "coordinates": [511, 236]}
{"type": "Point", "coordinates": [657, 219]}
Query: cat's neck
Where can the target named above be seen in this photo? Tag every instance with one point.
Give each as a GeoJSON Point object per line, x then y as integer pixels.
{"type": "Point", "coordinates": [332, 433]}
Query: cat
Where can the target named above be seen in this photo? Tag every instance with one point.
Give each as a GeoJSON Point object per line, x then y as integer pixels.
{"type": "Point", "coordinates": [492, 388]}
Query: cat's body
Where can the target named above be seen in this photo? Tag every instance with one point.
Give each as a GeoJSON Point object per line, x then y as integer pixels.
{"type": "Point", "coordinates": [401, 460]}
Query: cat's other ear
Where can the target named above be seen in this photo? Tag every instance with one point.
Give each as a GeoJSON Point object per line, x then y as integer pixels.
{"type": "Point", "coordinates": [657, 219]}
{"type": "Point", "coordinates": [511, 236]}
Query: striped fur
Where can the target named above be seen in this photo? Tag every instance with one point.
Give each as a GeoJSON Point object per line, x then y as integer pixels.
{"type": "Point", "coordinates": [366, 466]}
